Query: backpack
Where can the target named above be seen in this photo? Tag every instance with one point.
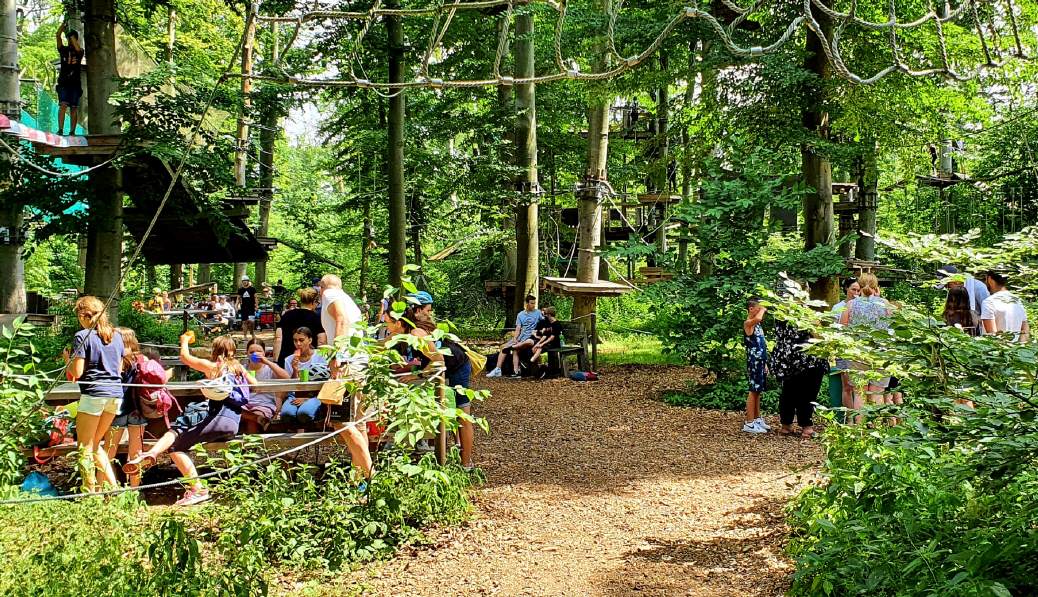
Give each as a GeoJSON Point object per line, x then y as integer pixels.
{"type": "Point", "coordinates": [57, 430]}
{"type": "Point", "coordinates": [155, 403]}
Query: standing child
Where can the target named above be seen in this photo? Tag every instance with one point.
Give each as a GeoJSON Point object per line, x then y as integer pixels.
{"type": "Point", "coordinates": [756, 365]}
{"type": "Point", "coordinates": [129, 417]}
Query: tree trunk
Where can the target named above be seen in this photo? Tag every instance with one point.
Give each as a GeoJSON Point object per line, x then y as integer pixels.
{"type": "Point", "coordinates": [365, 249]}
{"type": "Point", "coordinates": [527, 218]}
{"type": "Point", "coordinates": [506, 109]}
{"type": "Point", "coordinates": [176, 276]}
{"type": "Point", "coordinates": [662, 176]}
{"type": "Point", "coordinates": [868, 186]}
{"type": "Point", "coordinates": [171, 33]}
{"type": "Point", "coordinates": [205, 273]}
{"type": "Point", "coordinates": [241, 154]}
{"type": "Point", "coordinates": [817, 170]}
{"type": "Point", "coordinates": [693, 93]}
{"type": "Point", "coordinates": [105, 225]}
{"type": "Point", "coordinates": [417, 224]}
{"type": "Point", "coordinates": [268, 137]}
{"type": "Point", "coordinates": [395, 151]}
{"type": "Point", "coordinates": [12, 268]}
{"type": "Point", "coordinates": [589, 208]}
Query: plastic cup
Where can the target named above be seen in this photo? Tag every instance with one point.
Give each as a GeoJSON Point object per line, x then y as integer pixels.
{"type": "Point", "coordinates": [304, 375]}
{"type": "Point", "coordinates": [254, 357]}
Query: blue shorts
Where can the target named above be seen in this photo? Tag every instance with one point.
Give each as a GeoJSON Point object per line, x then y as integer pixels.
{"type": "Point", "coordinates": [69, 96]}
{"type": "Point", "coordinates": [462, 377]}
{"type": "Point", "coordinates": [131, 420]}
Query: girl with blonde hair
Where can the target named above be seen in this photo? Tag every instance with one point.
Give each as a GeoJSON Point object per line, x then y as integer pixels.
{"type": "Point", "coordinates": [213, 420]}
{"type": "Point", "coordinates": [129, 418]}
{"type": "Point", "coordinates": [872, 310]}
{"type": "Point", "coordinates": [96, 363]}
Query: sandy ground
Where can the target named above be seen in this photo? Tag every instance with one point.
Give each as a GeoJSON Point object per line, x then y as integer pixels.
{"type": "Point", "coordinates": [600, 489]}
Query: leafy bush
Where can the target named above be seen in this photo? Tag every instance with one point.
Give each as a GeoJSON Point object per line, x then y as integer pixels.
{"type": "Point", "coordinates": [946, 501]}
{"type": "Point", "coordinates": [726, 394]}
{"type": "Point", "coordinates": [21, 399]}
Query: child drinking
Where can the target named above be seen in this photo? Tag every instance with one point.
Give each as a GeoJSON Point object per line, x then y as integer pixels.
{"type": "Point", "coordinates": [756, 365]}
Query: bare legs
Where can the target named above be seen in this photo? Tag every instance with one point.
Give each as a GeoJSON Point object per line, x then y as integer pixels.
{"type": "Point", "coordinates": [74, 112]}
{"type": "Point", "coordinates": [752, 407]}
{"type": "Point", "coordinates": [90, 431]}
{"type": "Point", "coordinates": [135, 443]}
{"type": "Point", "coordinates": [357, 443]}
{"type": "Point", "coordinates": [466, 436]}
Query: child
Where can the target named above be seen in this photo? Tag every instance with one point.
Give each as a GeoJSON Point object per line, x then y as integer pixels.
{"type": "Point", "coordinates": [303, 408]}
{"type": "Point", "coordinates": [262, 407]}
{"type": "Point", "coordinates": [129, 416]}
{"type": "Point", "coordinates": [96, 363]}
{"type": "Point", "coordinates": [548, 333]}
{"type": "Point", "coordinates": [525, 324]}
{"type": "Point", "coordinates": [212, 420]}
{"type": "Point", "coordinates": [756, 365]}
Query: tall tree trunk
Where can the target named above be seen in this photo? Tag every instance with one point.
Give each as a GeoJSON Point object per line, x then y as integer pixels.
{"type": "Point", "coordinates": [171, 33]}
{"type": "Point", "coordinates": [105, 225]}
{"type": "Point", "coordinates": [527, 236]}
{"type": "Point", "coordinates": [416, 226]}
{"type": "Point", "coordinates": [589, 208]}
{"type": "Point", "coordinates": [693, 92]}
{"type": "Point", "coordinates": [817, 170]}
{"type": "Point", "coordinates": [868, 186]}
{"type": "Point", "coordinates": [12, 268]}
{"type": "Point", "coordinates": [365, 248]}
{"type": "Point", "coordinates": [241, 154]}
{"type": "Point", "coordinates": [395, 151]}
{"type": "Point", "coordinates": [205, 273]}
{"type": "Point", "coordinates": [151, 278]}
{"type": "Point", "coordinates": [661, 180]}
{"type": "Point", "coordinates": [506, 109]}
{"type": "Point", "coordinates": [268, 141]}
{"type": "Point", "coordinates": [176, 276]}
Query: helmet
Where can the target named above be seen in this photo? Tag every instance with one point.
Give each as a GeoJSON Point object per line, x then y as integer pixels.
{"type": "Point", "coordinates": [216, 389]}
{"type": "Point", "coordinates": [319, 372]}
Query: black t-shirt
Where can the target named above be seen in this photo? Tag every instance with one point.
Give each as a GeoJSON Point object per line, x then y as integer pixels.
{"type": "Point", "coordinates": [71, 62]}
{"type": "Point", "coordinates": [451, 362]}
{"type": "Point", "coordinates": [547, 328]}
{"type": "Point", "coordinates": [248, 300]}
{"type": "Point", "coordinates": [292, 320]}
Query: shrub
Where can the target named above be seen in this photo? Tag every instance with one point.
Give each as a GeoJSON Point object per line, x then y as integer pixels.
{"type": "Point", "coordinates": [726, 394]}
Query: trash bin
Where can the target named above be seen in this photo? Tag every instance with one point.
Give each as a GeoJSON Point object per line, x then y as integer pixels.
{"type": "Point", "coordinates": [836, 391]}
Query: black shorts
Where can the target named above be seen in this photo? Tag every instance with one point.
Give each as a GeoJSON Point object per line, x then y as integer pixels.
{"type": "Point", "coordinates": [69, 96]}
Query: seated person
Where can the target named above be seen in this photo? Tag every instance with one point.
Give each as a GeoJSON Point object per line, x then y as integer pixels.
{"type": "Point", "coordinates": [303, 408]}
{"type": "Point", "coordinates": [263, 406]}
{"type": "Point", "coordinates": [522, 338]}
{"type": "Point", "coordinates": [548, 333]}
{"type": "Point", "coordinates": [226, 310]}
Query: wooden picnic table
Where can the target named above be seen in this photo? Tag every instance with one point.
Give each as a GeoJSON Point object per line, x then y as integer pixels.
{"type": "Point", "coordinates": [69, 392]}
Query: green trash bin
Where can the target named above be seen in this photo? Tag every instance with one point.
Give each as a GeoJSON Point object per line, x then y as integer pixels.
{"type": "Point", "coordinates": [836, 391]}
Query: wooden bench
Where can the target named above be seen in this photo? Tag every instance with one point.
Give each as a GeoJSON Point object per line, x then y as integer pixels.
{"type": "Point", "coordinates": [575, 342]}
{"type": "Point", "coordinates": [272, 442]}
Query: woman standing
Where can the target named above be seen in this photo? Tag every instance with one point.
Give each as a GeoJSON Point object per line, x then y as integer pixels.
{"type": "Point", "coordinates": [212, 420]}
{"type": "Point", "coordinates": [801, 377]}
{"type": "Point", "coordinates": [871, 310]}
{"type": "Point", "coordinates": [957, 311]}
{"type": "Point", "coordinates": [96, 362]}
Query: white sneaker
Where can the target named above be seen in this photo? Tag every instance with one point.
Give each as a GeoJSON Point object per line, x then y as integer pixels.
{"type": "Point", "coordinates": [496, 372]}
{"type": "Point", "coordinates": [753, 427]}
{"type": "Point", "coordinates": [760, 423]}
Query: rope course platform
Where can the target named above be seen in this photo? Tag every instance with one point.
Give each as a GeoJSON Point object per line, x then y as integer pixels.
{"type": "Point", "coordinates": [570, 287]}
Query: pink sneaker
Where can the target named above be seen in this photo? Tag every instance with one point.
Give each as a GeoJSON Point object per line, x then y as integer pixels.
{"type": "Point", "coordinates": [192, 497]}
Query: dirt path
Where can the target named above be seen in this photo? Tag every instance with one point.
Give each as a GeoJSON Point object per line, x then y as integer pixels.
{"type": "Point", "coordinates": [597, 489]}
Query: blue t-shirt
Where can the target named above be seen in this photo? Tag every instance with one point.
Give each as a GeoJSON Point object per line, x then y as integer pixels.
{"type": "Point", "coordinates": [527, 322]}
{"type": "Point", "coordinates": [101, 371]}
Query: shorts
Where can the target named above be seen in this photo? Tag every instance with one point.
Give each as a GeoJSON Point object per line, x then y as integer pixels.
{"type": "Point", "coordinates": [95, 405]}
{"type": "Point", "coordinates": [894, 383]}
{"type": "Point", "coordinates": [202, 422]}
{"type": "Point", "coordinates": [461, 377]}
{"type": "Point", "coordinates": [69, 96]}
{"type": "Point", "coordinates": [247, 316]}
{"type": "Point", "coordinates": [261, 405]}
{"type": "Point", "coordinates": [129, 420]}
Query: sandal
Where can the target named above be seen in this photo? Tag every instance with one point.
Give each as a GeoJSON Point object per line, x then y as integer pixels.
{"type": "Point", "coordinates": [786, 432]}
{"type": "Point", "coordinates": [809, 434]}
{"type": "Point", "coordinates": [139, 464]}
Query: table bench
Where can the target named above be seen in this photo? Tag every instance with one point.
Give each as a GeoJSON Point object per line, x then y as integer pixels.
{"type": "Point", "coordinates": [575, 341]}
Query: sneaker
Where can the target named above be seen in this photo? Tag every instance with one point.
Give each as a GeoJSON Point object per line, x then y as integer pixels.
{"type": "Point", "coordinates": [760, 423]}
{"type": "Point", "coordinates": [496, 372]}
{"type": "Point", "coordinates": [752, 427]}
{"type": "Point", "coordinates": [192, 497]}
{"type": "Point", "coordinates": [515, 376]}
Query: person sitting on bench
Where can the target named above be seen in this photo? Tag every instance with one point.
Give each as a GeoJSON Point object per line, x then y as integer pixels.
{"type": "Point", "coordinates": [522, 337]}
{"type": "Point", "coordinates": [548, 333]}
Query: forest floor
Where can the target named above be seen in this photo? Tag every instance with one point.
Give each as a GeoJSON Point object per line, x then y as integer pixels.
{"type": "Point", "coordinates": [600, 489]}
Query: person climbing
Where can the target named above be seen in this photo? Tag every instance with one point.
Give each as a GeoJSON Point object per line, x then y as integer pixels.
{"type": "Point", "coordinates": [69, 87]}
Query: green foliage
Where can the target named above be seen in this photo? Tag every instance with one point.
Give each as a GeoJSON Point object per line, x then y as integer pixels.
{"type": "Point", "coordinates": [301, 517]}
{"type": "Point", "coordinates": [21, 395]}
{"type": "Point", "coordinates": [152, 329]}
{"type": "Point", "coordinates": [725, 394]}
{"type": "Point", "coordinates": [946, 501]}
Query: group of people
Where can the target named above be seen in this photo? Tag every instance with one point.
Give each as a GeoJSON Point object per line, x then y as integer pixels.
{"type": "Point", "coordinates": [536, 330]}
{"type": "Point", "coordinates": [107, 362]}
{"type": "Point", "coordinates": [976, 306]}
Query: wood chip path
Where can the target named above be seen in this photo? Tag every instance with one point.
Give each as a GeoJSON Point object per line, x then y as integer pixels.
{"type": "Point", "coordinates": [600, 489]}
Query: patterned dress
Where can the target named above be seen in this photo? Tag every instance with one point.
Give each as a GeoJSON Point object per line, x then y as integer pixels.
{"type": "Point", "coordinates": [756, 358]}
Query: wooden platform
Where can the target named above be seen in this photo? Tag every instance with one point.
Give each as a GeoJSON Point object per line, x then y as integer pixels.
{"type": "Point", "coordinates": [943, 180]}
{"type": "Point", "coordinates": [652, 275]}
{"type": "Point", "coordinates": [97, 148]}
{"type": "Point", "coordinates": [570, 286]}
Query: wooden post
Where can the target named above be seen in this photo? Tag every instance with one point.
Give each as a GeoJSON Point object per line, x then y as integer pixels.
{"type": "Point", "coordinates": [241, 152]}
{"type": "Point", "coordinates": [589, 208]}
{"type": "Point", "coordinates": [105, 224]}
{"type": "Point", "coordinates": [171, 33]}
{"type": "Point", "coordinates": [661, 181]}
{"type": "Point", "coordinates": [527, 279]}
{"type": "Point", "coordinates": [868, 194]}
{"type": "Point", "coordinates": [12, 278]}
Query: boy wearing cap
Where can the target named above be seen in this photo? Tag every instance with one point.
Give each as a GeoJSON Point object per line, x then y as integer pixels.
{"type": "Point", "coordinates": [246, 305]}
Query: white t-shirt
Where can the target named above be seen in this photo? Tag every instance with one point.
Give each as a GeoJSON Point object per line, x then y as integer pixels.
{"type": "Point", "coordinates": [315, 359]}
{"type": "Point", "coordinates": [264, 373]}
{"type": "Point", "coordinates": [1006, 310]}
{"type": "Point", "coordinates": [353, 314]}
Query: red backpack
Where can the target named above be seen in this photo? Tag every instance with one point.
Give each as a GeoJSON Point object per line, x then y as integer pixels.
{"type": "Point", "coordinates": [154, 402]}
